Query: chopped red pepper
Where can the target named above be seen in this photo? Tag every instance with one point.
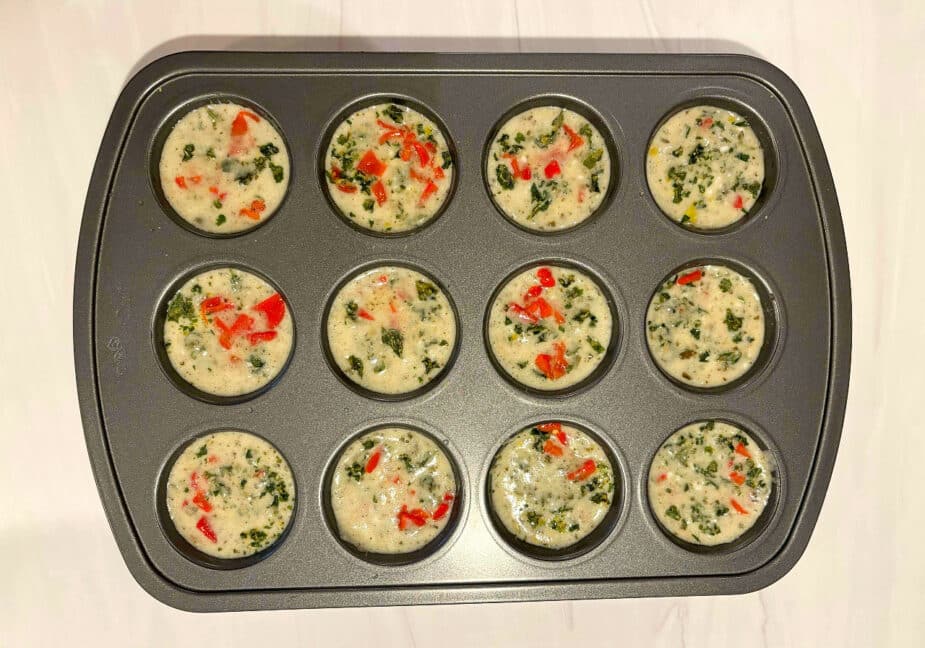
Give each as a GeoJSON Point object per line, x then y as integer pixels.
{"type": "Point", "coordinates": [556, 429]}
{"type": "Point", "coordinates": [196, 179]}
{"type": "Point", "coordinates": [214, 305]}
{"type": "Point", "coordinates": [239, 125]}
{"type": "Point", "coordinates": [213, 190]}
{"type": "Point", "coordinates": [545, 277]}
{"type": "Point", "coordinates": [261, 336]}
{"type": "Point", "coordinates": [371, 165]}
{"type": "Point", "coordinates": [552, 170]}
{"type": "Point", "coordinates": [379, 192]}
{"type": "Point", "coordinates": [525, 173]}
{"type": "Point", "coordinates": [533, 291]}
{"type": "Point", "coordinates": [662, 477]}
{"type": "Point", "coordinates": [428, 192]}
{"type": "Point", "coordinates": [706, 123]}
{"type": "Point", "coordinates": [583, 472]}
{"type": "Point", "coordinates": [540, 308]}
{"type": "Point", "coordinates": [181, 182]}
{"type": "Point", "coordinates": [365, 315]}
{"type": "Point", "coordinates": [737, 203]}
{"type": "Point", "coordinates": [553, 367]}
{"type": "Point", "coordinates": [346, 188]}
{"type": "Point", "coordinates": [738, 506]}
{"type": "Point", "coordinates": [423, 155]}
{"type": "Point", "coordinates": [335, 172]}
{"type": "Point", "coordinates": [690, 277]}
{"type": "Point", "coordinates": [552, 448]}
{"type": "Point", "coordinates": [740, 448]}
{"type": "Point", "coordinates": [201, 501]}
{"type": "Point", "coordinates": [194, 480]}
{"type": "Point", "coordinates": [441, 510]}
{"type": "Point", "coordinates": [242, 324]}
{"type": "Point", "coordinates": [430, 146]}
{"type": "Point", "coordinates": [438, 173]}
{"type": "Point", "coordinates": [574, 139]}
{"type": "Point", "coordinates": [273, 308]}
{"type": "Point", "coordinates": [736, 477]}
{"type": "Point", "coordinates": [521, 313]}
{"type": "Point", "coordinates": [373, 461]}
{"type": "Point", "coordinates": [417, 516]}
{"type": "Point", "coordinates": [253, 212]}
{"type": "Point", "coordinates": [206, 529]}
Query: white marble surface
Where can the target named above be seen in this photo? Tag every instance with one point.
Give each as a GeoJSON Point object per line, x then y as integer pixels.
{"type": "Point", "coordinates": [860, 65]}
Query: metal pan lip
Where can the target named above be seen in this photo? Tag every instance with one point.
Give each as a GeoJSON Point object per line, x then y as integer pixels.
{"type": "Point", "coordinates": [617, 316]}
{"type": "Point", "coordinates": [775, 329]}
{"type": "Point", "coordinates": [592, 544]}
{"type": "Point", "coordinates": [769, 517]}
{"type": "Point", "coordinates": [329, 356]}
{"type": "Point", "coordinates": [371, 99]}
{"type": "Point", "coordinates": [183, 546]}
{"type": "Point", "coordinates": [586, 110]}
{"type": "Point", "coordinates": [166, 125]}
{"type": "Point", "coordinates": [156, 322]}
{"type": "Point", "coordinates": [431, 551]}
{"type": "Point", "coordinates": [771, 191]}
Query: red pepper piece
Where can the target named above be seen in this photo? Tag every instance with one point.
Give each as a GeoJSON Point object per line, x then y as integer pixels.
{"type": "Point", "coordinates": [213, 190]}
{"type": "Point", "coordinates": [552, 170]}
{"type": "Point", "coordinates": [525, 173]}
{"type": "Point", "coordinates": [214, 305]}
{"type": "Point", "coordinates": [429, 190]}
{"type": "Point", "coordinates": [261, 336]}
{"type": "Point", "coordinates": [541, 308]}
{"type": "Point", "coordinates": [417, 176]}
{"type": "Point", "coordinates": [438, 173]}
{"type": "Point", "coordinates": [740, 449]}
{"type": "Point", "coordinates": [391, 131]}
{"type": "Point", "coordinates": [690, 277]}
{"type": "Point", "coordinates": [371, 165]}
{"type": "Point", "coordinates": [552, 448]}
{"type": "Point", "coordinates": [545, 277]}
{"type": "Point", "coordinates": [181, 182]}
{"type": "Point", "coordinates": [273, 308]}
{"type": "Point", "coordinates": [196, 179]}
{"type": "Point", "coordinates": [335, 172]}
{"type": "Point", "coordinates": [583, 472]}
{"type": "Point", "coordinates": [442, 509]}
{"type": "Point", "coordinates": [521, 313]}
{"type": "Point", "coordinates": [416, 516]}
{"type": "Point", "coordinates": [736, 477]}
{"type": "Point", "coordinates": [253, 212]}
{"type": "Point", "coordinates": [423, 155]}
{"type": "Point", "coordinates": [553, 366]}
{"type": "Point", "coordinates": [706, 123]}
{"type": "Point", "coordinates": [206, 529]}
{"type": "Point", "coordinates": [662, 477]}
{"type": "Point", "coordinates": [373, 461]}
{"type": "Point", "coordinates": [574, 139]}
{"type": "Point", "coordinates": [194, 480]}
{"type": "Point", "coordinates": [241, 324]}
{"type": "Point", "coordinates": [239, 125]}
{"type": "Point", "coordinates": [379, 192]}
{"type": "Point", "coordinates": [346, 188]}
{"type": "Point", "coordinates": [556, 429]}
{"type": "Point", "coordinates": [365, 315]}
{"type": "Point", "coordinates": [201, 501]}
{"type": "Point", "coordinates": [737, 203]}
{"type": "Point", "coordinates": [534, 291]}
{"type": "Point", "coordinates": [738, 506]}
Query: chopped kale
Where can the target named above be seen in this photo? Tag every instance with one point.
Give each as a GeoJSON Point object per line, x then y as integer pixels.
{"type": "Point", "coordinates": [395, 113]}
{"type": "Point", "coordinates": [356, 365]}
{"type": "Point", "coordinates": [426, 290]}
{"type": "Point", "coordinates": [593, 158]}
{"type": "Point", "coordinates": [430, 365]}
{"type": "Point", "coordinates": [188, 152]}
{"type": "Point", "coordinates": [352, 309]}
{"type": "Point", "coordinates": [733, 323]}
{"type": "Point", "coordinates": [725, 284]}
{"type": "Point", "coordinates": [354, 471]}
{"type": "Point", "coordinates": [269, 149]}
{"type": "Point", "coordinates": [203, 451]}
{"type": "Point", "coordinates": [394, 339]}
{"type": "Point", "coordinates": [505, 179]}
{"type": "Point", "coordinates": [181, 307]}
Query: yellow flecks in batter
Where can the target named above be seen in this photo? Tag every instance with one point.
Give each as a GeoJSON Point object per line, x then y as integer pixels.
{"type": "Point", "coordinates": [731, 119]}
{"type": "Point", "coordinates": [653, 151]}
{"type": "Point", "coordinates": [691, 212]}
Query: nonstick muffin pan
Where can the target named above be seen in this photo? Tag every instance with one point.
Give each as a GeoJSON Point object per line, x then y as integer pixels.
{"type": "Point", "coordinates": [133, 253]}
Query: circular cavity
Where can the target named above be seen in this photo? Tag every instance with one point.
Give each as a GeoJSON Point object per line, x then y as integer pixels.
{"type": "Point", "coordinates": [229, 495]}
{"type": "Point", "coordinates": [224, 168]}
{"type": "Point", "coordinates": [391, 330]}
{"type": "Point", "coordinates": [550, 327]}
{"type": "Point", "coordinates": [389, 168]}
{"type": "Point", "coordinates": [709, 483]}
{"type": "Point", "coordinates": [227, 332]}
{"type": "Point", "coordinates": [392, 495]}
{"type": "Point", "coordinates": [550, 487]}
{"type": "Point", "coordinates": [706, 326]}
{"type": "Point", "coordinates": [548, 168]}
{"type": "Point", "coordinates": [705, 167]}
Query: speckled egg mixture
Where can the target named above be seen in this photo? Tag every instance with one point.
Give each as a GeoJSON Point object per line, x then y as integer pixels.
{"type": "Point", "coordinates": [709, 483]}
{"type": "Point", "coordinates": [705, 326]}
{"type": "Point", "coordinates": [227, 332]}
{"type": "Point", "coordinates": [548, 168]}
{"type": "Point", "coordinates": [549, 327]}
{"type": "Point", "coordinates": [551, 485]}
{"type": "Point", "coordinates": [230, 494]}
{"type": "Point", "coordinates": [388, 168]}
{"type": "Point", "coordinates": [392, 492]}
{"type": "Point", "coordinates": [224, 168]}
{"type": "Point", "coordinates": [391, 330]}
{"type": "Point", "coordinates": [705, 167]}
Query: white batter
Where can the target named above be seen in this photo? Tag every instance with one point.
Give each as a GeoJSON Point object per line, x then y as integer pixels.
{"type": "Point", "coordinates": [551, 485]}
{"type": "Point", "coordinates": [227, 332]}
{"type": "Point", "coordinates": [391, 330]}
{"type": "Point", "coordinates": [230, 494]}
{"type": "Point", "coordinates": [548, 168]}
{"type": "Point", "coordinates": [393, 491]}
{"type": "Point", "coordinates": [705, 167]}
{"type": "Point", "coordinates": [709, 483]}
{"type": "Point", "coordinates": [549, 327]}
{"type": "Point", "coordinates": [389, 168]}
{"type": "Point", "coordinates": [224, 168]}
{"type": "Point", "coordinates": [705, 325]}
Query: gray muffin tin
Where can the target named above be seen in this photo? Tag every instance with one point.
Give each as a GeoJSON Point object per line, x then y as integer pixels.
{"type": "Point", "coordinates": [132, 252]}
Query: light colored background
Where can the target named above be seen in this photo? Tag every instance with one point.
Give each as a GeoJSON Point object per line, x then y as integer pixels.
{"type": "Point", "coordinates": [860, 65]}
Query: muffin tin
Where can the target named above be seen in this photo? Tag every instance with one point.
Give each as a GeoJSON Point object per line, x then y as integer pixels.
{"type": "Point", "coordinates": [133, 252]}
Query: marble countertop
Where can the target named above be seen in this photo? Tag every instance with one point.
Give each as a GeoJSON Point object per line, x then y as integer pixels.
{"type": "Point", "coordinates": [62, 64]}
